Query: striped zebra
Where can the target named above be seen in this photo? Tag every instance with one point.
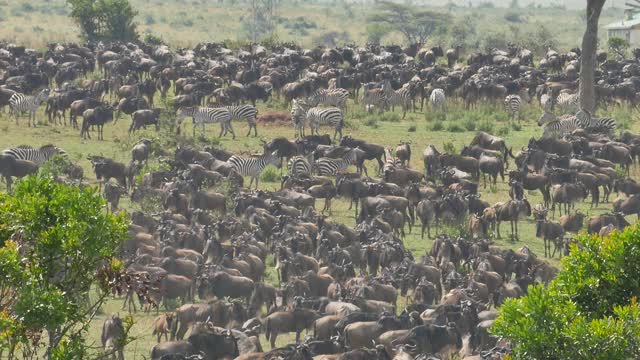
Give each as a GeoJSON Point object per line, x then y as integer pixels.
{"type": "Point", "coordinates": [38, 156]}
{"type": "Point", "coordinates": [437, 99]}
{"type": "Point", "coordinates": [244, 112]}
{"type": "Point", "coordinates": [401, 97]}
{"type": "Point", "coordinates": [558, 126]}
{"type": "Point", "coordinates": [596, 125]}
{"type": "Point", "coordinates": [568, 103]}
{"type": "Point", "coordinates": [205, 115]}
{"type": "Point", "coordinates": [300, 166]}
{"type": "Point", "coordinates": [546, 102]}
{"type": "Point", "coordinates": [334, 97]}
{"type": "Point", "coordinates": [20, 103]}
{"type": "Point", "coordinates": [316, 116]}
{"type": "Point", "coordinates": [373, 98]}
{"type": "Point", "coordinates": [329, 167]}
{"type": "Point", "coordinates": [512, 104]}
{"type": "Point", "coordinates": [251, 166]}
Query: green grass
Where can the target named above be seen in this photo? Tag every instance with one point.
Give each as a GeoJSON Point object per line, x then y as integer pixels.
{"type": "Point", "coordinates": [117, 145]}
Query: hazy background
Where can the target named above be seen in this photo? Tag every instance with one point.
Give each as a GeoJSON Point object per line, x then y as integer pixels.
{"type": "Point", "coordinates": [310, 22]}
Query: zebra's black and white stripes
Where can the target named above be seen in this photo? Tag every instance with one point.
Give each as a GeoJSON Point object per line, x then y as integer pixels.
{"type": "Point", "coordinates": [38, 156]}
{"type": "Point", "coordinates": [400, 97]}
{"type": "Point", "coordinates": [332, 97]}
{"type": "Point", "coordinates": [437, 99]}
{"type": "Point", "coordinates": [316, 116]}
{"type": "Point", "coordinates": [568, 103]}
{"type": "Point", "coordinates": [594, 124]}
{"type": "Point", "coordinates": [206, 115]}
{"type": "Point", "coordinates": [299, 166]}
{"type": "Point", "coordinates": [20, 103]}
{"type": "Point", "coordinates": [330, 167]}
{"type": "Point", "coordinates": [512, 104]}
{"type": "Point", "coordinates": [244, 112]}
{"type": "Point", "coordinates": [558, 126]}
{"type": "Point", "coordinates": [250, 166]}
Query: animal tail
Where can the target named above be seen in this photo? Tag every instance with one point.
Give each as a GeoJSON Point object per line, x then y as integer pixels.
{"type": "Point", "coordinates": [267, 329]}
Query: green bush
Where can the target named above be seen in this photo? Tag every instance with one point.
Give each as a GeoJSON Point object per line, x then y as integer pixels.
{"type": "Point", "coordinates": [590, 309]}
{"type": "Point", "coordinates": [270, 174]}
{"type": "Point", "coordinates": [516, 127]}
{"type": "Point", "coordinates": [469, 124]}
{"type": "Point", "coordinates": [437, 126]}
{"type": "Point", "coordinates": [371, 122]}
{"type": "Point", "coordinates": [448, 147]}
{"type": "Point", "coordinates": [486, 126]}
{"type": "Point", "coordinates": [455, 128]}
{"type": "Point", "coordinates": [503, 131]}
{"type": "Point", "coordinates": [412, 128]}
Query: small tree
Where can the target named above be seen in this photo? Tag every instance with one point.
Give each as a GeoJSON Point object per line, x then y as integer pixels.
{"type": "Point", "coordinates": [416, 25]}
{"type": "Point", "coordinates": [618, 45]}
{"type": "Point", "coordinates": [56, 241]}
{"type": "Point", "coordinates": [589, 312]}
{"type": "Point", "coordinates": [375, 33]}
{"type": "Point", "coordinates": [105, 19]}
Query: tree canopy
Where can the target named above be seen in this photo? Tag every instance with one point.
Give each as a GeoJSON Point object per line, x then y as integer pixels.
{"type": "Point", "coordinates": [105, 19]}
{"type": "Point", "coordinates": [589, 312]}
{"type": "Point", "coordinates": [416, 25]}
{"type": "Point", "coordinates": [55, 240]}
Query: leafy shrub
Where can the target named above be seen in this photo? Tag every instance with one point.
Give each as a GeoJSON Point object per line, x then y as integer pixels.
{"type": "Point", "coordinates": [455, 128]}
{"type": "Point", "coordinates": [153, 39]}
{"type": "Point", "coordinates": [412, 128]}
{"type": "Point", "coordinates": [270, 174]}
{"type": "Point", "coordinates": [27, 7]}
{"type": "Point", "coordinates": [371, 122]}
{"type": "Point", "coordinates": [503, 131]}
{"type": "Point", "coordinates": [591, 305]}
{"type": "Point", "coordinates": [516, 127]}
{"type": "Point", "coordinates": [469, 124]}
{"type": "Point", "coordinates": [448, 147]}
{"type": "Point", "coordinates": [437, 126]}
{"type": "Point", "coordinates": [486, 126]}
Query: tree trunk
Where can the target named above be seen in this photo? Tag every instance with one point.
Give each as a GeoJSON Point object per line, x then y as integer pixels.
{"type": "Point", "coordinates": [588, 58]}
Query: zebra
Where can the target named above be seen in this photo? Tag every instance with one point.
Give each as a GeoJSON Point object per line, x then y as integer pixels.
{"type": "Point", "coordinates": [316, 116]}
{"type": "Point", "coordinates": [204, 115]}
{"type": "Point", "coordinates": [250, 166]}
{"type": "Point", "coordinates": [568, 103]}
{"type": "Point", "coordinates": [335, 97]}
{"type": "Point", "coordinates": [244, 112]}
{"type": "Point", "coordinates": [299, 116]}
{"type": "Point", "coordinates": [512, 104]}
{"type": "Point", "coordinates": [373, 98]}
{"type": "Point", "coordinates": [38, 156]}
{"type": "Point", "coordinates": [558, 126]}
{"type": "Point", "coordinates": [546, 102]}
{"type": "Point", "coordinates": [327, 166]}
{"type": "Point", "coordinates": [20, 103]}
{"type": "Point", "coordinates": [437, 99]}
{"type": "Point", "coordinates": [594, 124]}
{"type": "Point", "coordinates": [300, 166]}
{"type": "Point", "coordinates": [401, 97]}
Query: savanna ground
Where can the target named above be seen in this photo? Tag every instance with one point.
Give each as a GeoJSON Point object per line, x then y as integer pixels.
{"type": "Point", "coordinates": [479, 24]}
{"type": "Point", "coordinates": [450, 131]}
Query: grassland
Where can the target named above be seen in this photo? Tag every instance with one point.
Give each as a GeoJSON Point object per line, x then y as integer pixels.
{"type": "Point", "coordinates": [455, 129]}
{"type": "Point", "coordinates": [308, 23]}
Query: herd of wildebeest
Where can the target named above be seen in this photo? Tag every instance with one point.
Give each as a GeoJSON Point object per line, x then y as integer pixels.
{"type": "Point", "coordinates": [209, 249]}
